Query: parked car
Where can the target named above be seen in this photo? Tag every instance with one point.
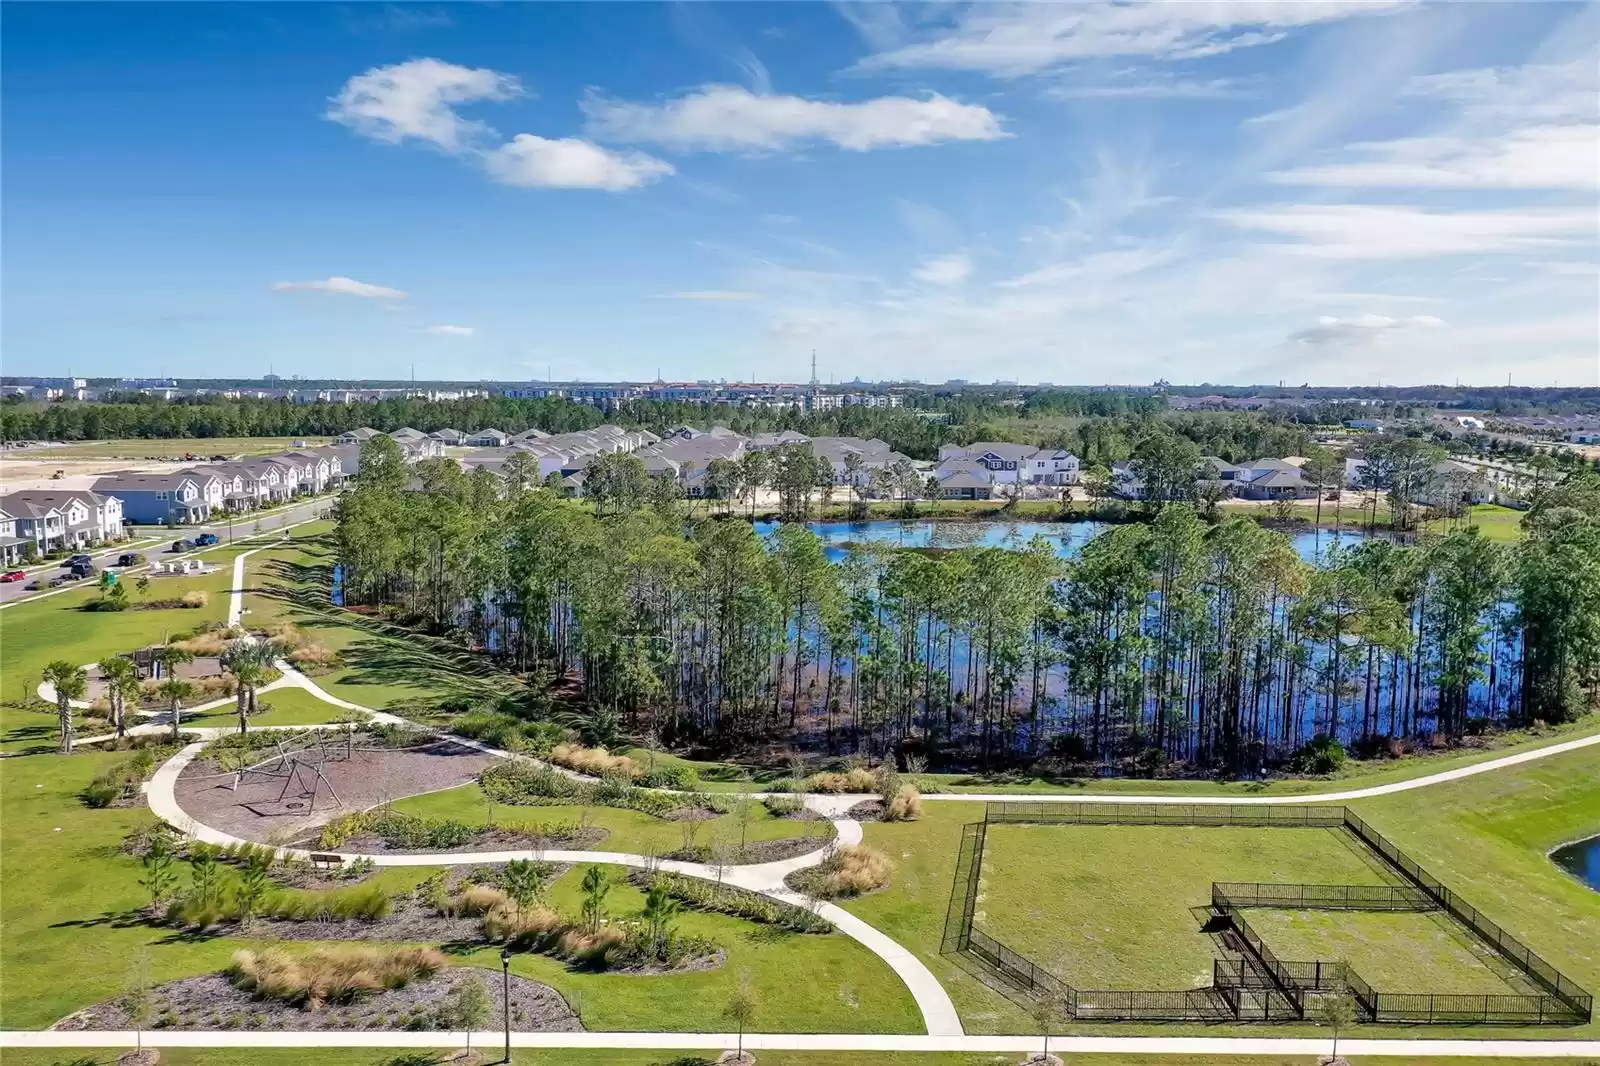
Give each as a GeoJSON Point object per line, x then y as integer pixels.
{"type": "Point", "coordinates": [76, 559]}
{"type": "Point", "coordinates": [12, 575]}
{"type": "Point", "coordinates": [83, 569]}
{"type": "Point", "coordinates": [181, 545]}
{"type": "Point", "coordinates": [205, 540]}
{"type": "Point", "coordinates": [129, 559]}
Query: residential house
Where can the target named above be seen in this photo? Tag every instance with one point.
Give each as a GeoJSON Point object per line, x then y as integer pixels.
{"type": "Point", "coordinates": [529, 435]}
{"type": "Point", "coordinates": [315, 472]}
{"type": "Point", "coordinates": [406, 433]}
{"type": "Point", "coordinates": [965, 485]}
{"type": "Point", "coordinates": [264, 481]}
{"type": "Point", "coordinates": [182, 498]}
{"type": "Point", "coordinates": [449, 437]}
{"type": "Point", "coordinates": [239, 488]}
{"type": "Point", "coordinates": [13, 547]}
{"type": "Point", "coordinates": [356, 436]}
{"type": "Point", "coordinates": [1051, 466]}
{"type": "Point", "coordinates": [1271, 479]}
{"type": "Point", "coordinates": [64, 518]}
{"type": "Point", "coordinates": [767, 441]}
{"type": "Point", "coordinates": [39, 528]}
{"type": "Point", "coordinates": [488, 438]}
{"type": "Point", "coordinates": [1007, 463]}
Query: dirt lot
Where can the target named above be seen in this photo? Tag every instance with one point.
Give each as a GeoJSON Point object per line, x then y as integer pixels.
{"type": "Point", "coordinates": [273, 808]}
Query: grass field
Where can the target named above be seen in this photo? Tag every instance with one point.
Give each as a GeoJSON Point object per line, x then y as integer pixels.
{"type": "Point", "coordinates": [1399, 952]}
{"type": "Point", "coordinates": [630, 831]}
{"type": "Point", "coordinates": [1500, 524]}
{"type": "Point", "coordinates": [290, 706]}
{"type": "Point", "coordinates": [1113, 907]}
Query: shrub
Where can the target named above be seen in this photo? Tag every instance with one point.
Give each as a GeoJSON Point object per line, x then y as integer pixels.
{"type": "Point", "coordinates": [596, 762]}
{"type": "Point", "coordinates": [854, 780]}
{"type": "Point", "coordinates": [211, 642]}
{"type": "Point", "coordinates": [400, 830]}
{"type": "Point", "coordinates": [520, 782]}
{"type": "Point", "coordinates": [729, 899]}
{"type": "Point", "coordinates": [474, 901]}
{"type": "Point", "coordinates": [530, 930]}
{"type": "Point", "coordinates": [327, 976]}
{"type": "Point", "coordinates": [904, 806]}
{"type": "Point", "coordinates": [123, 778]}
{"type": "Point", "coordinates": [679, 778]}
{"type": "Point", "coordinates": [194, 599]}
{"type": "Point", "coordinates": [850, 871]}
{"type": "Point", "coordinates": [783, 806]}
{"type": "Point", "coordinates": [1319, 755]}
{"type": "Point", "coordinates": [509, 732]}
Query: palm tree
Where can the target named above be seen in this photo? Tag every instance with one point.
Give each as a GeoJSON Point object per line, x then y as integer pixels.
{"type": "Point", "coordinates": [122, 681]}
{"type": "Point", "coordinates": [248, 664]}
{"type": "Point", "coordinates": [175, 690]}
{"type": "Point", "coordinates": [70, 684]}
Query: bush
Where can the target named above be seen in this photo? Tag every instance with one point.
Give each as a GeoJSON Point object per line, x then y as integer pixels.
{"type": "Point", "coordinates": [530, 930]}
{"type": "Point", "coordinates": [509, 732]}
{"type": "Point", "coordinates": [194, 599]}
{"type": "Point", "coordinates": [678, 778]}
{"type": "Point", "coordinates": [783, 806]}
{"type": "Point", "coordinates": [729, 899]}
{"type": "Point", "coordinates": [855, 780]}
{"type": "Point", "coordinates": [520, 782]}
{"type": "Point", "coordinates": [474, 901]}
{"type": "Point", "coordinates": [400, 830]}
{"type": "Point", "coordinates": [904, 806]}
{"type": "Point", "coordinates": [123, 778]}
{"type": "Point", "coordinates": [1319, 755]}
{"type": "Point", "coordinates": [597, 762]}
{"type": "Point", "coordinates": [849, 871]}
{"type": "Point", "coordinates": [326, 976]}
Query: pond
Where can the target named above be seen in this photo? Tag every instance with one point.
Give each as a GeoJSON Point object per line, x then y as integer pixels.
{"type": "Point", "coordinates": [1067, 537]}
{"type": "Point", "coordinates": [1581, 859]}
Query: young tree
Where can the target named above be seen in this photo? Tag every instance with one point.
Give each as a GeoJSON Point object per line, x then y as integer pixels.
{"type": "Point", "coordinates": [596, 886]}
{"type": "Point", "coordinates": [741, 1011]}
{"type": "Point", "coordinates": [468, 1007]}
{"type": "Point", "coordinates": [524, 883]}
{"type": "Point", "coordinates": [1336, 1012]}
{"type": "Point", "coordinates": [1052, 1010]}
{"type": "Point", "coordinates": [70, 682]}
{"type": "Point", "coordinates": [175, 690]}
{"type": "Point", "coordinates": [659, 914]}
{"type": "Point", "coordinates": [159, 876]}
{"type": "Point", "coordinates": [253, 887]}
{"type": "Point", "coordinates": [137, 1001]}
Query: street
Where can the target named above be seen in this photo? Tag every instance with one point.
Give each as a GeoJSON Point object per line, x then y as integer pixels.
{"type": "Point", "coordinates": [153, 541]}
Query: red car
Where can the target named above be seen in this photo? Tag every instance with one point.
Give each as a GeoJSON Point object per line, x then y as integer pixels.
{"type": "Point", "coordinates": [13, 575]}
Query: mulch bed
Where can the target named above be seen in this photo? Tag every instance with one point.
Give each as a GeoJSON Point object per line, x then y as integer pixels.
{"type": "Point", "coordinates": [212, 1002]}
{"type": "Point", "coordinates": [367, 778]}
{"type": "Point", "coordinates": [866, 811]}
{"type": "Point", "coordinates": [757, 851]}
{"type": "Point", "coordinates": [496, 839]}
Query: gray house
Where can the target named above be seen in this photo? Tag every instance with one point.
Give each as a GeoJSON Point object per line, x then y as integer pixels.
{"type": "Point", "coordinates": [182, 498]}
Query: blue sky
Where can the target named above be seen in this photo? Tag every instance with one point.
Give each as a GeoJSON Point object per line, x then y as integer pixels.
{"type": "Point", "coordinates": [1301, 191]}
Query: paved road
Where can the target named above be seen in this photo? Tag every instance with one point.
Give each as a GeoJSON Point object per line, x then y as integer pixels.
{"type": "Point", "coordinates": [152, 541]}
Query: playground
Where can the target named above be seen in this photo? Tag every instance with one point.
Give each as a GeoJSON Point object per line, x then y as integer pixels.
{"type": "Point", "coordinates": [296, 781]}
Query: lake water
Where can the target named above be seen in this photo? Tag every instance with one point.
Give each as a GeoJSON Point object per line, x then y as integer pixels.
{"type": "Point", "coordinates": [1581, 859]}
{"type": "Point", "coordinates": [1067, 537]}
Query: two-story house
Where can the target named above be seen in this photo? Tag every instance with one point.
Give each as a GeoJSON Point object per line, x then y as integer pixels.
{"type": "Point", "coordinates": [182, 498]}
{"type": "Point", "coordinates": [63, 518]}
{"type": "Point", "coordinates": [13, 548]}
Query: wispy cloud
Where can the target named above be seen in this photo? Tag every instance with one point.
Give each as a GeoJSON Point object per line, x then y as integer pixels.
{"type": "Point", "coordinates": [950, 269]}
{"type": "Point", "coordinates": [712, 295]}
{"type": "Point", "coordinates": [1153, 88]}
{"type": "Point", "coordinates": [343, 286]}
{"type": "Point", "coordinates": [1362, 329]}
{"type": "Point", "coordinates": [730, 117]}
{"type": "Point", "coordinates": [1372, 231]}
{"type": "Point", "coordinates": [1012, 40]}
{"type": "Point", "coordinates": [450, 331]}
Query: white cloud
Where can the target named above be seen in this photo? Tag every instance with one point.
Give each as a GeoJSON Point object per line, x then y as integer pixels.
{"type": "Point", "coordinates": [729, 117]}
{"type": "Point", "coordinates": [570, 163]}
{"type": "Point", "coordinates": [451, 331]}
{"type": "Point", "coordinates": [713, 295]}
{"type": "Point", "coordinates": [1153, 89]}
{"type": "Point", "coordinates": [1362, 329]}
{"type": "Point", "coordinates": [416, 100]}
{"type": "Point", "coordinates": [1012, 40]}
{"type": "Point", "coordinates": [1372, 231]}
{"type": "Point", "coordinates": [342, 285]}
{"type": "Point", "coordinates": [950, 269]}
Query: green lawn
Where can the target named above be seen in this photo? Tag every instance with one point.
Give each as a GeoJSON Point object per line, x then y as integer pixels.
{"type": "Point", "coordinates": [1112, 906]}
{"type": "Point", "coordinates": [290, 706]}
{"type": "Point", "coordinates": [1500, 524]}
{"type": "Point", "coordinates": [1397, 952]}
{"type": "Point", "coordinates": [631, 831]}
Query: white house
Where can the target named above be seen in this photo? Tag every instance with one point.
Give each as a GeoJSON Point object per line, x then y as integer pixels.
{"type": "Point", "coordinates": [487, 438]}
{"type": "Point", "coordinates": [1018, 463]}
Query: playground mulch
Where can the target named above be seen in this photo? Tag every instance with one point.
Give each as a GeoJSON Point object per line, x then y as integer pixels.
{"type": "Point", "coordinates": [284, 798]}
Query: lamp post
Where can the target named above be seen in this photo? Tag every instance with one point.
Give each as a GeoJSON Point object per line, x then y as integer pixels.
{"type": "Point", "coordinates": [505, 996]}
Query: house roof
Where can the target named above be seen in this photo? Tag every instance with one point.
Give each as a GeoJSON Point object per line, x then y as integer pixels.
{"type": "Point", "coordinates": [364, 433]}
{"type": "Point", "coordinates": [488, 432]}
{"type": "Point", "coordinates": [132, 481]}
{"type": "Point", "coordinates": [1278, 479]}
{"type": "Point", "coordinates": [963, 479]}
{"type": "Point", "coordinates": [407, 433]}
{"type": "Point", "coordinates": [1013, 453]}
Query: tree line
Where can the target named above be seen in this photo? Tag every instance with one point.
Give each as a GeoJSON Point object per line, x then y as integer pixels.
{"type": "Point", "coordinates": [1211, 645]}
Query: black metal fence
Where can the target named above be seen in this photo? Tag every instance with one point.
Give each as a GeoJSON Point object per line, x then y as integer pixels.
{"type": "Point", "coordinates": [1325, 897]}
{"type": "Point", "coordinates": [1258, 986]}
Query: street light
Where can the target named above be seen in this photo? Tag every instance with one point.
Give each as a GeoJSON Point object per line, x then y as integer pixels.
{"type": "Point", "coordinates": [505, 996]}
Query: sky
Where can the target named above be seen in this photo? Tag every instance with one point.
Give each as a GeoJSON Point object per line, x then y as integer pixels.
{"type": "Point", "coordinates": [1300, 191]}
